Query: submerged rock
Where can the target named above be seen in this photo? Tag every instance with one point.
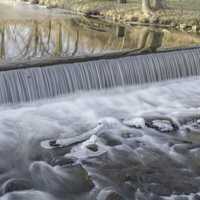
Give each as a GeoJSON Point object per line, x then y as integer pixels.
{"type": "Point", "coordinates": [92, 147]}
{"type": "Point", "coordinates": [192, 120]}
{"type": "Point", "coordinates": [181, 148]}
{"type": "Point", "coordinates": [109, 194]}
{"type": "Point", "coordinates": [15, 185]}
{"type": "Point", "coordinates": [162, 124]}
{"type": "Point", "coordinates": [135, 123]}
{"type": "Point", "coordinates": [63, 161]}
{"type": "Point", "coordinates": [110, 139]}
{"type": "Point", "coordinates": [196, 197]}
{"type": "Point", "coordinates": [127, 135]}
{"type": "Point", "coordinates": [61, 181]}
{"type": "Point", "coordinates": [28, 195]}
{"type": "Point", "coordinates": [195, 123]}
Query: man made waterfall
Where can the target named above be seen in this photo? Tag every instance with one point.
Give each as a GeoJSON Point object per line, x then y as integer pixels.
{"type": "Point", "coordinates": [44, 82]}
{"type": "Point", "coordinates": [76, 124]}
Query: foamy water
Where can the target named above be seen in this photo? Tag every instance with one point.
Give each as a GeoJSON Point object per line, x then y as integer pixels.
{"type": "Point", "coordinates": [23, 127]}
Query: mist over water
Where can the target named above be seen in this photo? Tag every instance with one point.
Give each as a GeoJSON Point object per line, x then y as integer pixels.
{"type": "Point", "coordinates": [42, 175]}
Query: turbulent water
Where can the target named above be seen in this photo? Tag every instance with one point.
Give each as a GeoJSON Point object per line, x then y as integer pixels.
{"type": "Point", "coordinates": [145, 145]}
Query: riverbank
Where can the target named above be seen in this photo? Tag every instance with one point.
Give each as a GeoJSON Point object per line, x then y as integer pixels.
{"type": "Point", "coordinates": [183, 15]}
{"type": "Point", "coordinates": [15, 11]}
{"type": "Point", "coordinates": [80, 36]}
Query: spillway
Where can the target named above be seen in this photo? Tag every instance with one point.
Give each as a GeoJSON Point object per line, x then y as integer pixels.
{"type": "Point", "coordinates": [29, 84]}
{"type": "Point", "coordinates": [119, 139]}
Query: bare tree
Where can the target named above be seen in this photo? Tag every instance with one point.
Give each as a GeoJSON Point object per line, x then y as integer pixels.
{"type": "Point", "coordinates": [146, 7]}
{"type": "Point", "coordinates": [2, 43]}
{"type": "Point", "coordinates": [157, 4]}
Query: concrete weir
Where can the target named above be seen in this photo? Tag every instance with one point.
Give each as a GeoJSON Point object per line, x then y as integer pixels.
{"type": "Point", "coordinates": [25, 82]}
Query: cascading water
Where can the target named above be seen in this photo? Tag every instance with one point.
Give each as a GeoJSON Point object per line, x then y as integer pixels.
{"type": "Point", "coordinates": [44, 82]}
{"type": "Point", "coordinates": [126, 143]}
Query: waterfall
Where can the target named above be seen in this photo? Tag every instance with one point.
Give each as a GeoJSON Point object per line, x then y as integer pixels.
{"type": "Point", "coordinates": [43, 82]}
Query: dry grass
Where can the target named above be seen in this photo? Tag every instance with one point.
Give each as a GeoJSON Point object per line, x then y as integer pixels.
{"type": "Point", "coordinates": [179, 12]}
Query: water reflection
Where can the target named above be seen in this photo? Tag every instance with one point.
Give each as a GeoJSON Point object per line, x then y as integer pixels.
{"type": "Point", "coordinates": [26, 39]}
{"type": "Point", "coordinates": [150, 39]}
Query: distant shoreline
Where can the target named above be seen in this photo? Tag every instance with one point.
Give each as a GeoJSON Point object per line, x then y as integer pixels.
{"type": "Point", "coordinates": [10, 10]}
{"type": "Point", "coordinates": [129, 13]}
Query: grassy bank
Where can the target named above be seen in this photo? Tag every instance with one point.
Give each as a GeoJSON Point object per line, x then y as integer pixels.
{"type": "Point", "coordinates": [182, 14]}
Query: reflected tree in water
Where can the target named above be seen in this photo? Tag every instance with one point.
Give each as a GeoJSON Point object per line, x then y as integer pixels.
{"type": "Point", "coordinates": [2, 39]}
{"type": "Point", "coordinates": [72, 37]}
{"type": "Point", "coordinates": [28, 39]}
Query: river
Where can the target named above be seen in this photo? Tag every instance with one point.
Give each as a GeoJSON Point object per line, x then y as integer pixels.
{"type": "Point", "coordinates": [124, 142]}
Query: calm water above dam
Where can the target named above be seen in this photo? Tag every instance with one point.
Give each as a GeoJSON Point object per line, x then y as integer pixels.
{"type": "Point", "coordinates": [32, 32]}
{"type": "Point", "coordinates": [73, 36]}
{"type": "Point", "coordinates": [113, 129]}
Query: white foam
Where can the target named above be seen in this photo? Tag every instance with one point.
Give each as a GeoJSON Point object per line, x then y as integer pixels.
{"type": "Point", "coordinates": [22, 127]}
